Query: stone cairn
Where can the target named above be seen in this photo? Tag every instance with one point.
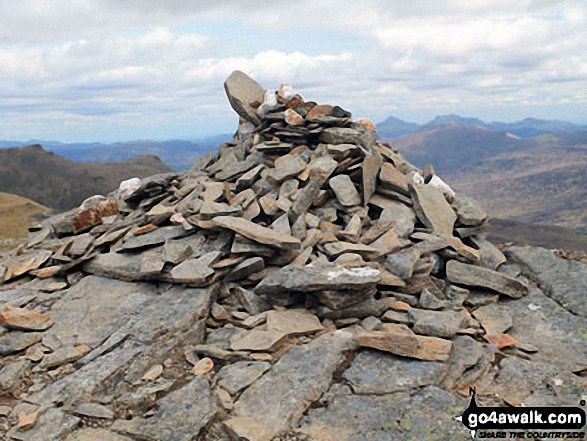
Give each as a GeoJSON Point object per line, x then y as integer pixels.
{"type": "Point", "coordinates": [299, 226]}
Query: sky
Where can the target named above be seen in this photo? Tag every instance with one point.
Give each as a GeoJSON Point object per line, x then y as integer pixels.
{"type": "Point", "coordinates": [111, 70]}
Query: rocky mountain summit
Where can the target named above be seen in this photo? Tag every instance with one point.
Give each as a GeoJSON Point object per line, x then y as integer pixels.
{"type": "Point", "coordinates": [304, 283]}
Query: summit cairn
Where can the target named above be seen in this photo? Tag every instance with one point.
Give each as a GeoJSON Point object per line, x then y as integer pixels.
{"type": "Point", "coordinates": [302, 271]}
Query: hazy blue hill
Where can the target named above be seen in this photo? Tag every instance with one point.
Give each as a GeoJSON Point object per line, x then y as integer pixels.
{"type": "Point", "coordinates": [532, 127]}
{"type": "Point", "coordinates": [449, 119]}
{"type": "Point", "coordinates": [177, 154]}
{"type": "Point", "coordinates": [527, 128]}
{"type": "Point", "coordinates": [393, 127]}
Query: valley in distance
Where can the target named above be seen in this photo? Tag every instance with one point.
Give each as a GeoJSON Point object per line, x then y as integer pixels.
{"type": "Point", "coordinates": [541, 163]}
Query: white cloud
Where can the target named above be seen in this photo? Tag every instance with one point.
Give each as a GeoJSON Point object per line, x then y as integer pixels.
{"type": "Point", "coordinates": [134, 62]}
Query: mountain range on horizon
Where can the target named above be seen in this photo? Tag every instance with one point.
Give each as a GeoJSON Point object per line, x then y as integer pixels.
{"type": "Point", "coordinates": [180, 154]}
{"type": "Point", "coordinates": [393, 127]}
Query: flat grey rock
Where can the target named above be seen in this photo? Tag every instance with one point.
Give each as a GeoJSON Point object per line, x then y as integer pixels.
{"type": "Point", "coordinates": [90, 311]}
{"type": "Point", "coordinates": [471, 275]}
{"type": "Point", "coordinates": [17, 341]}
{"type": "Point", "coordinates": [115, 265]}
{"type": "Point", "coordinates": [363, 309]}
{"type": "Point", "coordinates": [565, 281]}
{"type": "Point", "coordinates": [293, 322]}
{"type": "Point", "coordinates": [318, 277]}
{"type": "Point", "coordinates": [558, 335]}
{"type": "Point", "coordinates": [345, 190]}
{"type": "Point", "coordinates": [157, 237]}
{"type": "Point", "coordinates": [11, 373]}
{"type": "Point", "coordinates": [87, 380]}
{"type": "Point", "coordinates": [427, 415]}
{"type": "Point", "coordinates": [237, 376]}
{"type": "Point", "coordinates": [293, 383]}
{"type": "Point", "coordinates": [495, 319]}
{"type": "Point", "coordinates": [377, 373]}
{"type": "Point", "coordinates": [489, 255]}
{"type": "Point", "coordinates": [286, 167]}
{"type": "Point", "coordinates": [95, 435]}
{"type": "Point", "coordinates": [468, 361]}
{"type": "Point", "coordinates": [468, 211]}
{"type": "Point", "coordinates": [194, 272]}
{"type": "Point", "coordinates": [518, 379]}
{"type": "Point", "coordinates": [53, 425]}
{"type": "Point", "coordinates": [180, 416]}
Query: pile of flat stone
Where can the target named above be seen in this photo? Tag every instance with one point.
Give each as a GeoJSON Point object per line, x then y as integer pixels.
{"type": "Point", "coordinates": [303, 224]}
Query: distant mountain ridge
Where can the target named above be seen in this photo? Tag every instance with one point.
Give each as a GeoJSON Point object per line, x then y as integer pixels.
{"type": "Point", "coordinates": [393, 127]}
{"type": "Point", "coordinates": [532, 180]}
{"type": "Point", "coordinates": [58, 183]}
{"type": "Point", "coordinates": [177, 154]}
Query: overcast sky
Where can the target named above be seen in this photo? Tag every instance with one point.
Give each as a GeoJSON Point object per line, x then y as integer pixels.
{"type": "Point", "coordinates": [108, 70]}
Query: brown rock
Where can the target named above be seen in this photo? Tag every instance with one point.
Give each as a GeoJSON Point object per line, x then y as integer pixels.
{"type": "Point", "coordinates": [335, 249]}
{"type": "Point", "coordinates": [203, 366]}
{"type": "Point", "coordinates": [25, 319]}
{"type": "Point", "coordinates": [249, 429]}
{"type": "Point", "coordinates": [25, 262]}
{"type": "Point", "coordinates": [400, 340]}
{"type": "Point", "coordinates": [64, 355]}
{"type": "Point", "coordinates": [145, 229]}
{"type": "Point", "coordinates": [319, 111]}
{"type": "Point", "coordinates": [293, 322]}
{"type": "Point", "coordinates": [500, 340]}
{"type": "Point", "coordinates": [387, 243]}
{"type": "Point", "coordinates": [27, 421]}
{"type": "Point", "coordinates": [47, 272]}
{"type": "Point", "coordinates": [91, 212]}
{"type": "Point", "coordinates": [286, 167]}
{"type": "Point", "coordinates": [293, 118]}
{"type": "Point", "coordinates": [257, 340]}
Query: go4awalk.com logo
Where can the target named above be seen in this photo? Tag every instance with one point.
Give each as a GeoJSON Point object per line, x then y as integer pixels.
{"type": "Point", "coordinates": [524, 422]}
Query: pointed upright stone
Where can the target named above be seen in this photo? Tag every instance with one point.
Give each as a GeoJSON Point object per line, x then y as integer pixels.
{"type": "Point", "coordinates": [245, 95]}
{"type": "Point", "coordinates": [433, 209]}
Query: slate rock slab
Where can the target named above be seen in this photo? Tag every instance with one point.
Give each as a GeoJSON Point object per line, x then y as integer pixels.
{"type": "Point", "coordinates": [180, 416]}
{"type": "Point", "coordinates": [257, 232]}
{"type": "Point", "coordinates": [428, 415]}
{"type": "Point", "coordinates": [565, 281]}
{"type": "Point", "coordinates": [373, 372]}
{"type": "Point", "coordinates": [471, 275]}
{"type": "Point", "coordinates": [558, 335]}
{"type": "Point", "coordinates": [294, 382]}
{"type": "Point", "coordinates": [53, 425]}
{"type": "Point", "coordinates": [318, 277]}
{"type": "Point", "coordinates": [237, 376]}
{"type": "Point", "coordinates": [95, 435]}
{"type": "Point", "coordinates": [93, 309]}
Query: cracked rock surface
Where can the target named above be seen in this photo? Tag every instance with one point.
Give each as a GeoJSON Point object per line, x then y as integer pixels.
{"type": "Point", "coordinates": [305, 282]}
